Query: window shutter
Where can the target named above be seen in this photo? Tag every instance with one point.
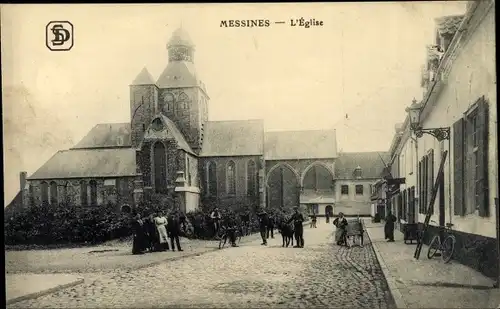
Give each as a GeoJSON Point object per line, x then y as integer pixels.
{"type": "Point", "coordinates": [430, 172]}
{"type": "Point", "coordinates": [482, 177]}
{"type": "Point", "coordinates": [426, 184]}
{"type": "Point", "coordinates": [458, 167]}
{"type": "Point", "coordinates": [420, 187]}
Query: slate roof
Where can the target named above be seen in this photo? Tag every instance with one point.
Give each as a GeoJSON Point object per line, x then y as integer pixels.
{"type": "Point", "coordinates": [143, 78]}
{"type": "Point", "coordinates": [448, 25]}
{"type": "Point", "coordinates": [180, 37]}
{"type": "Point", "coordinates": [81, 163]}
{"type": "Point", "coordinates": [171, 132]}
{"type": "Point", "coordinates": [178, 74]}
{"type": "Point", "coordinates": [105, 135]}
{"type": "Point", "coordinates": [233, 138]}
{"type": "Point", "coordinates": [292, 145]}
{"type": "Point", "coordinates": [370, 163]}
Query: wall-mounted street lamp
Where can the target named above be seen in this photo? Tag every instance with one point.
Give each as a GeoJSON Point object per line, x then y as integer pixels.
{"type": "Point", "coordinates": [414, 114]}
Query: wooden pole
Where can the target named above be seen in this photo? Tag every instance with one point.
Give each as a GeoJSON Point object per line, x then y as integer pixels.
{"type": "Point", "coordinates": [497, 208]}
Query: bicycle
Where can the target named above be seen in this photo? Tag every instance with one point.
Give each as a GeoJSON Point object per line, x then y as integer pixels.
{"type": "Point", "coordinates": [223, 236]}
{"type": "Point", "coordinates": [245, 229]}
{"type": "Point", "coordinates": [446, 247]}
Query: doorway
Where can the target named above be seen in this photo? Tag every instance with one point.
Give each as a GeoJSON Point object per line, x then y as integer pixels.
{"type": "Point", "coordinates": [329, 210]}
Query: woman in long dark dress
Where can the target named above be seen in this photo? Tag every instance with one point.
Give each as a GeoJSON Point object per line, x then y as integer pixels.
{"type": "Point", "coordinates": [389, 227]}
{"type": "Point", "coordinates": [140, 243]}
{"type": "Point", "coordinates": [340, 234]}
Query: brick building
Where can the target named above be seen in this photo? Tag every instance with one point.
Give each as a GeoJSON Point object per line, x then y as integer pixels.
{"type": "Point", "coordinates": [171, 149]}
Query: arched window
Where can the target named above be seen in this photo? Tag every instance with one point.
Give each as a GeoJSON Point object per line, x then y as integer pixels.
{"type": "Point", "coordinates": [45, 193]}
{"type": "Point", "coordinates": [83, 193]}
{"type": "Point", "coordinates": [53, 193]}
{"type": "Point", "coordinates": [231, 178]}
{"type": "Point", "coordinates": [160, 167]}
{"type": "Point", "coordinates": [31, 195]}
{"type": "Point", "coordinates": [211, 179]}
{"type": "Point", "coordinates": [93, 192]}
{"type": "Point", "coordinates": [168, 98]}
{"type": "Point", "coordinates": [183, 101]}
{"type": "Point", "coordinates": [251, 177]}
{"type": "Point", "coordinates": [188, 171]}
{"type": "Point", "coordinates": [64, 195]}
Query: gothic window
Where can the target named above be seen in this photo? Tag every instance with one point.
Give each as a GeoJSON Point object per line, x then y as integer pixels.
{"type": "Point", "coordinates": [211, 179]}
{"type": "Point", "coordinates": [83, 193]}
{"type": "Point", "coordinates": [183, 101]}
{"type": "Point", "coordinates": [45, 193]}
{"type": "Point", "coordinates": [53, 193]}
{"type": "Point", "coordinates": [93, 192]}
{"type": "Point", "coordinates": [160, 167]}
{"type": "Point", "coordinates": [157, 124]}
{"type": "Point", "coordinates": [168, 98]}
{"type": "Point", "coordinates": [231, 178]}
{"type": "Point", "coordinates": [31, 195]}
{"type": "Point", "coordinates": [251, 177]}
{"type": "Point", "coordinates": [188, 172]}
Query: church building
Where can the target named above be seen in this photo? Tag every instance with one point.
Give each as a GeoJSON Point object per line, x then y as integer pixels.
{"type": "Point", "coordinates": [171, 150]}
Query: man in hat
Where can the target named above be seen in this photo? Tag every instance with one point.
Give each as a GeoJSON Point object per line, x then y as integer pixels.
{"type": "Point", "coordinates": [298, 221]}
{"type": "Point", "coordinates": [263, 224]}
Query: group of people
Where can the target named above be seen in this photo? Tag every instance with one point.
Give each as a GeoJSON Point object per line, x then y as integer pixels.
{"type": "Point", "coordinates": [152, 233]}
{"type": "Point", "coordinates": [341, 224]}
{"type": "Point", "coordinates": [268, 222]}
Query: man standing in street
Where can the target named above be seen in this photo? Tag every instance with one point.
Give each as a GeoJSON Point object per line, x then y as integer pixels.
{"type": "Point", "coordinates": [174, 229]}
{"type": "Point", "coordinates": [263, 224]}
{"type": "Point", "coordinates": [298, 221]}
{"type": "Point", "coordinates": [270, 225]}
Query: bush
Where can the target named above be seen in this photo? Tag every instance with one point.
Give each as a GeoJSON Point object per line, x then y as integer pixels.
{"type": "Point", "coordinates": [63, 224]}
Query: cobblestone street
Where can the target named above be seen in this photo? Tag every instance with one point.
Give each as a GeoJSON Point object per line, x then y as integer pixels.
{"type": "Point", "coordinates": [320, 275]}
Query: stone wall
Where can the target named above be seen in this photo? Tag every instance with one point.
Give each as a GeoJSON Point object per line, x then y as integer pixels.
{"type": "Point", "coordinates": [188, 118]}
{"type": "Point", "coordinates": [142, 109]}
{"type": "Point", "coordinates": [69, 191]}
{"type": "Point", "coordinates": [223, 198]}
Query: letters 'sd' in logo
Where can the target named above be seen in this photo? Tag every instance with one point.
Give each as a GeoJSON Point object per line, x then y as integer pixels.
{"type": "Point", "coordinates": [59, 35]}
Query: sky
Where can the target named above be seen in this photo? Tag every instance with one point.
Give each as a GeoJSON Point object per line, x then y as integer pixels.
{"type": "Point", "coordinates": [356, 74]}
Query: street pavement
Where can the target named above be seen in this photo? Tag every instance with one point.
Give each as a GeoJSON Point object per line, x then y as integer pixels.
{"type": "Point", "coordinates": [319, 275]}
{"type": "Point", "coordinates": [425, 283]}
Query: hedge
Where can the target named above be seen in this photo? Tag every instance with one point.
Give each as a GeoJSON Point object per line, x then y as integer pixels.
{"type": "Point", "coordinates": [62, 225]}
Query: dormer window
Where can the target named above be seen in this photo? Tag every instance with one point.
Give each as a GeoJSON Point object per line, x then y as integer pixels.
{"type": "Point", "coordinates": [358, 172]}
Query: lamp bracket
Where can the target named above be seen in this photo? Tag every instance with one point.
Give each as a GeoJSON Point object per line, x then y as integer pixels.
{"type": "Point", "coordinates": [440, 134]}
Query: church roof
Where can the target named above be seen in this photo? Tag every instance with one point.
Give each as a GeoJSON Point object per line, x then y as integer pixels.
{"type": "Point", "coordinates": [180, 37]}
{"type": "Point", "coordinates": [81, 163]}
{"type": "Point", "coordinates": [448, 25]}
{"type": "Point", "coordinates": [105, 135]}
{"type": "Point", "coordinates": [143, 78]}
{"type": "Point", "coordinates": [178, 74]}
{"type": "Point", "coordinates": [233, 138]}
{"type": "Point", "coordinates": [370, 163]}
{"type": "Point", "coordinates": [313, 144]}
